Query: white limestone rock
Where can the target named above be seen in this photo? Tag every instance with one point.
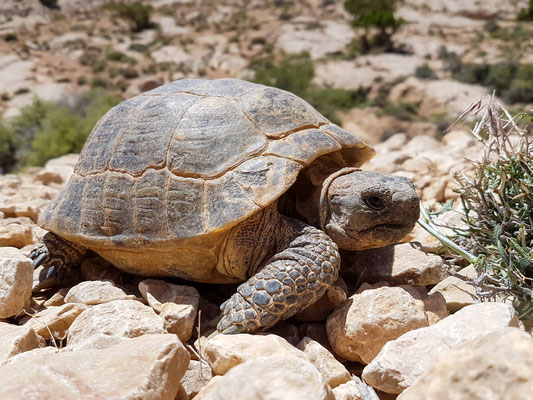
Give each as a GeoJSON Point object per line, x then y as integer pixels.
{"type": "Point", "coordinates": [405, 360]}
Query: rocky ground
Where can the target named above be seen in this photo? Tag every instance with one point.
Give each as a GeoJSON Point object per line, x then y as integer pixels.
{"type": "Point", "coordinates": [415, 329]}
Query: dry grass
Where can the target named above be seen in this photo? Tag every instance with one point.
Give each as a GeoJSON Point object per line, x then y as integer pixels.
{"type": "Point", "coordinates": [497, 205]}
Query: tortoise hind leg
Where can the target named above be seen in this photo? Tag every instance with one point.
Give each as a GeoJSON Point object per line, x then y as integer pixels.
{"type": "Point", "coordinates": [291, 280]}
{"type": "Point", "coordinates": [56, 254]}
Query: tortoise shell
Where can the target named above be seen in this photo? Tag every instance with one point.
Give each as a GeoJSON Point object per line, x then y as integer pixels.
{"type": "Point", "coordinates": [191, 159]}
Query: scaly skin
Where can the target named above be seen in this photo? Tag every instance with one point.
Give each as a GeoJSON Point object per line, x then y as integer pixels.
{"type": "Point", "coordinates": [57, 254]}
{"type": "Point", "coordinates": [294, 278]}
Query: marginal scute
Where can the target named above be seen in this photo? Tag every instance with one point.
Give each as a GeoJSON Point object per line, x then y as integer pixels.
{"type": "Point", "coordinates": [70, 205]}
{"type": "Point", "coordinates": [213, 136]}
{"type": "Point", "coordinates": [93, 217]}
{"type": "Point", "coordinates": [185, 206]}
{"type": "Point", "coordinates": [150, 198]}
{"type": "Point", "coordinates": [303, 146]}
{"type": "Point", "coordinates": [64, 212]}
{"type": "Point", "coordinates": [119, 205]}
{"type": "Point", "coordinates": [355, 152]}
{"type": "Point", "coordinates": [278, 112]}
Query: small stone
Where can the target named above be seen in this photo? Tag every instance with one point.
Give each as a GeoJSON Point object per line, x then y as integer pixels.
{"type": "Point", "coordinates": [457, 292]}
{"type": "Point", "coordinates": [223, 352]}
{"type": "Point", "coordinates": [360, 328]}
{"type": "Point", "coordinates": [18, 206]}
{"type": "Point", "coordinates": [16, 278]}
{"type": "Point", "coordinates": [122, 318]}
{"type": "Point", "coordinates": [347, 391]}
{"type": "Point", "coordinates": [147, 367]}
{"type": "Point", "coordinates": [30, 354]}
{"type": "Point", "coordinates": [96, 341]}
{"type": "Point", "coordinates": [17, 339]}
{"type": "Point", "coordinates": [177, 305]}
{"type": "Point", "coordinates": [57, 299]}
{"type": "Point", "coordinates": [494, 366]}
{"type": "Point", "coordinates": [403, 361]}
{"type": "Point", "coordinates": [196, 377]}
{"type": "Point", "coordinates": [96, 292]}
{"type": "Point", "coordinates": [333, 371]}
{"type": "Point", "coordinates": [434, 304]}
{"type": "Point", "coordinates": [396, 264]}
{"type": "Point", "coordinates": [57, 170]}
{"type": "Point", "coordinates": [16, 232]}
{"type": "Point", "coordinates": [281, 377]}
{"type": "Point", "coordinates": [54, 320]}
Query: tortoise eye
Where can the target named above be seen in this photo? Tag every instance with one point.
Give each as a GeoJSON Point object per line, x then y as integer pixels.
{"type": "Point", "coordinates": [374, 202]}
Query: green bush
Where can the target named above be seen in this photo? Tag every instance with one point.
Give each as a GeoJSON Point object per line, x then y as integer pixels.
{"type": "Point", "coordinates": [512, 81]}
{"type": "Point", "coordinates": [21, 91]}
{"type": "Point", "coordinates": [329, 101]}
{"type": "Point", "coordinates": [491, 26]}
{"type": "Point", "coordinates": [98, 82]}
{"type": "Point", "coordinates": [49, 3]}
{"type": "Point", "coordinates": [136, 14]}
{"type": "Point", "coordinates": [472, 73]}
{"type": "Point", "coordinates": [404, 111]}
{"type": "Point", "coordinates": [424, 71]}
{"type": "Point", "coordinates": [129, 73]}
{"type": "Point", "coordinates": [7, 148]}
{"type": "Point", "coordinates": [99, 66]}
{"type": "Point", "coordinates": [499, 76]}
{"type": "Point", "coordinates": [520, 90]}
{"type": "Point", "coordinates": [512, 34]}
{"type": "Point", "coordinates": [377, 14]}
{"type": "Point", "coordinates": [46, 130]}
{"type": "Point", "coordinates": [120, 57]}
{"type": "Point", "coordinates": [10, 37]}
{"type": "Point", "coordinates": [59, 133]}
{"type": "Point", "coordinates": [293, 73]}
{"type": "Point", "coordinates": [526, 14]}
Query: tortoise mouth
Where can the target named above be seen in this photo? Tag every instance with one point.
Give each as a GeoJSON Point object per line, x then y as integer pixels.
{"type": "Point", "coordinates": [385, 227]}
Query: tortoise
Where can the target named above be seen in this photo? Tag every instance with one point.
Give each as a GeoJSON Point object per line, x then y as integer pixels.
{"type": "Point", "coordinates": [226, 181]}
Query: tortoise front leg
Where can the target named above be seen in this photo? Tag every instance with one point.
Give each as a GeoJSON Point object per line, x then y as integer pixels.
{"type": "Point", "coordinates": [291, 280]}
{"type": "Point", "coordinates": [56, 254]}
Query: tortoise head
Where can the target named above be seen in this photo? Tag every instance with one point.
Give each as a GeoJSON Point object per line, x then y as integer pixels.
{"type": "Point", "coordinates": [363, 209]}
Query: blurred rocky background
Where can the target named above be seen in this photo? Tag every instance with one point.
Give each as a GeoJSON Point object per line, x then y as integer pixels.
{"type": "Point", "coordinates": [395, 73]}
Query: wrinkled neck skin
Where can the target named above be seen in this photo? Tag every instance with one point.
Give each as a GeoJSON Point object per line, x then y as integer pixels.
{"type": "Point", "coordinates": [358, 209]}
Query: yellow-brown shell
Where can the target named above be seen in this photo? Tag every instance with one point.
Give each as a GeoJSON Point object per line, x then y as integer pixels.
{"type": "Point", "coordinates": [189, 159]}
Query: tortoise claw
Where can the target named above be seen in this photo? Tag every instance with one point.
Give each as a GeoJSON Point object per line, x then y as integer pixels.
{"type": "Point", "coordinates": [38, 261]}
{"type": "Point", "coordinates": [51, 271]}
